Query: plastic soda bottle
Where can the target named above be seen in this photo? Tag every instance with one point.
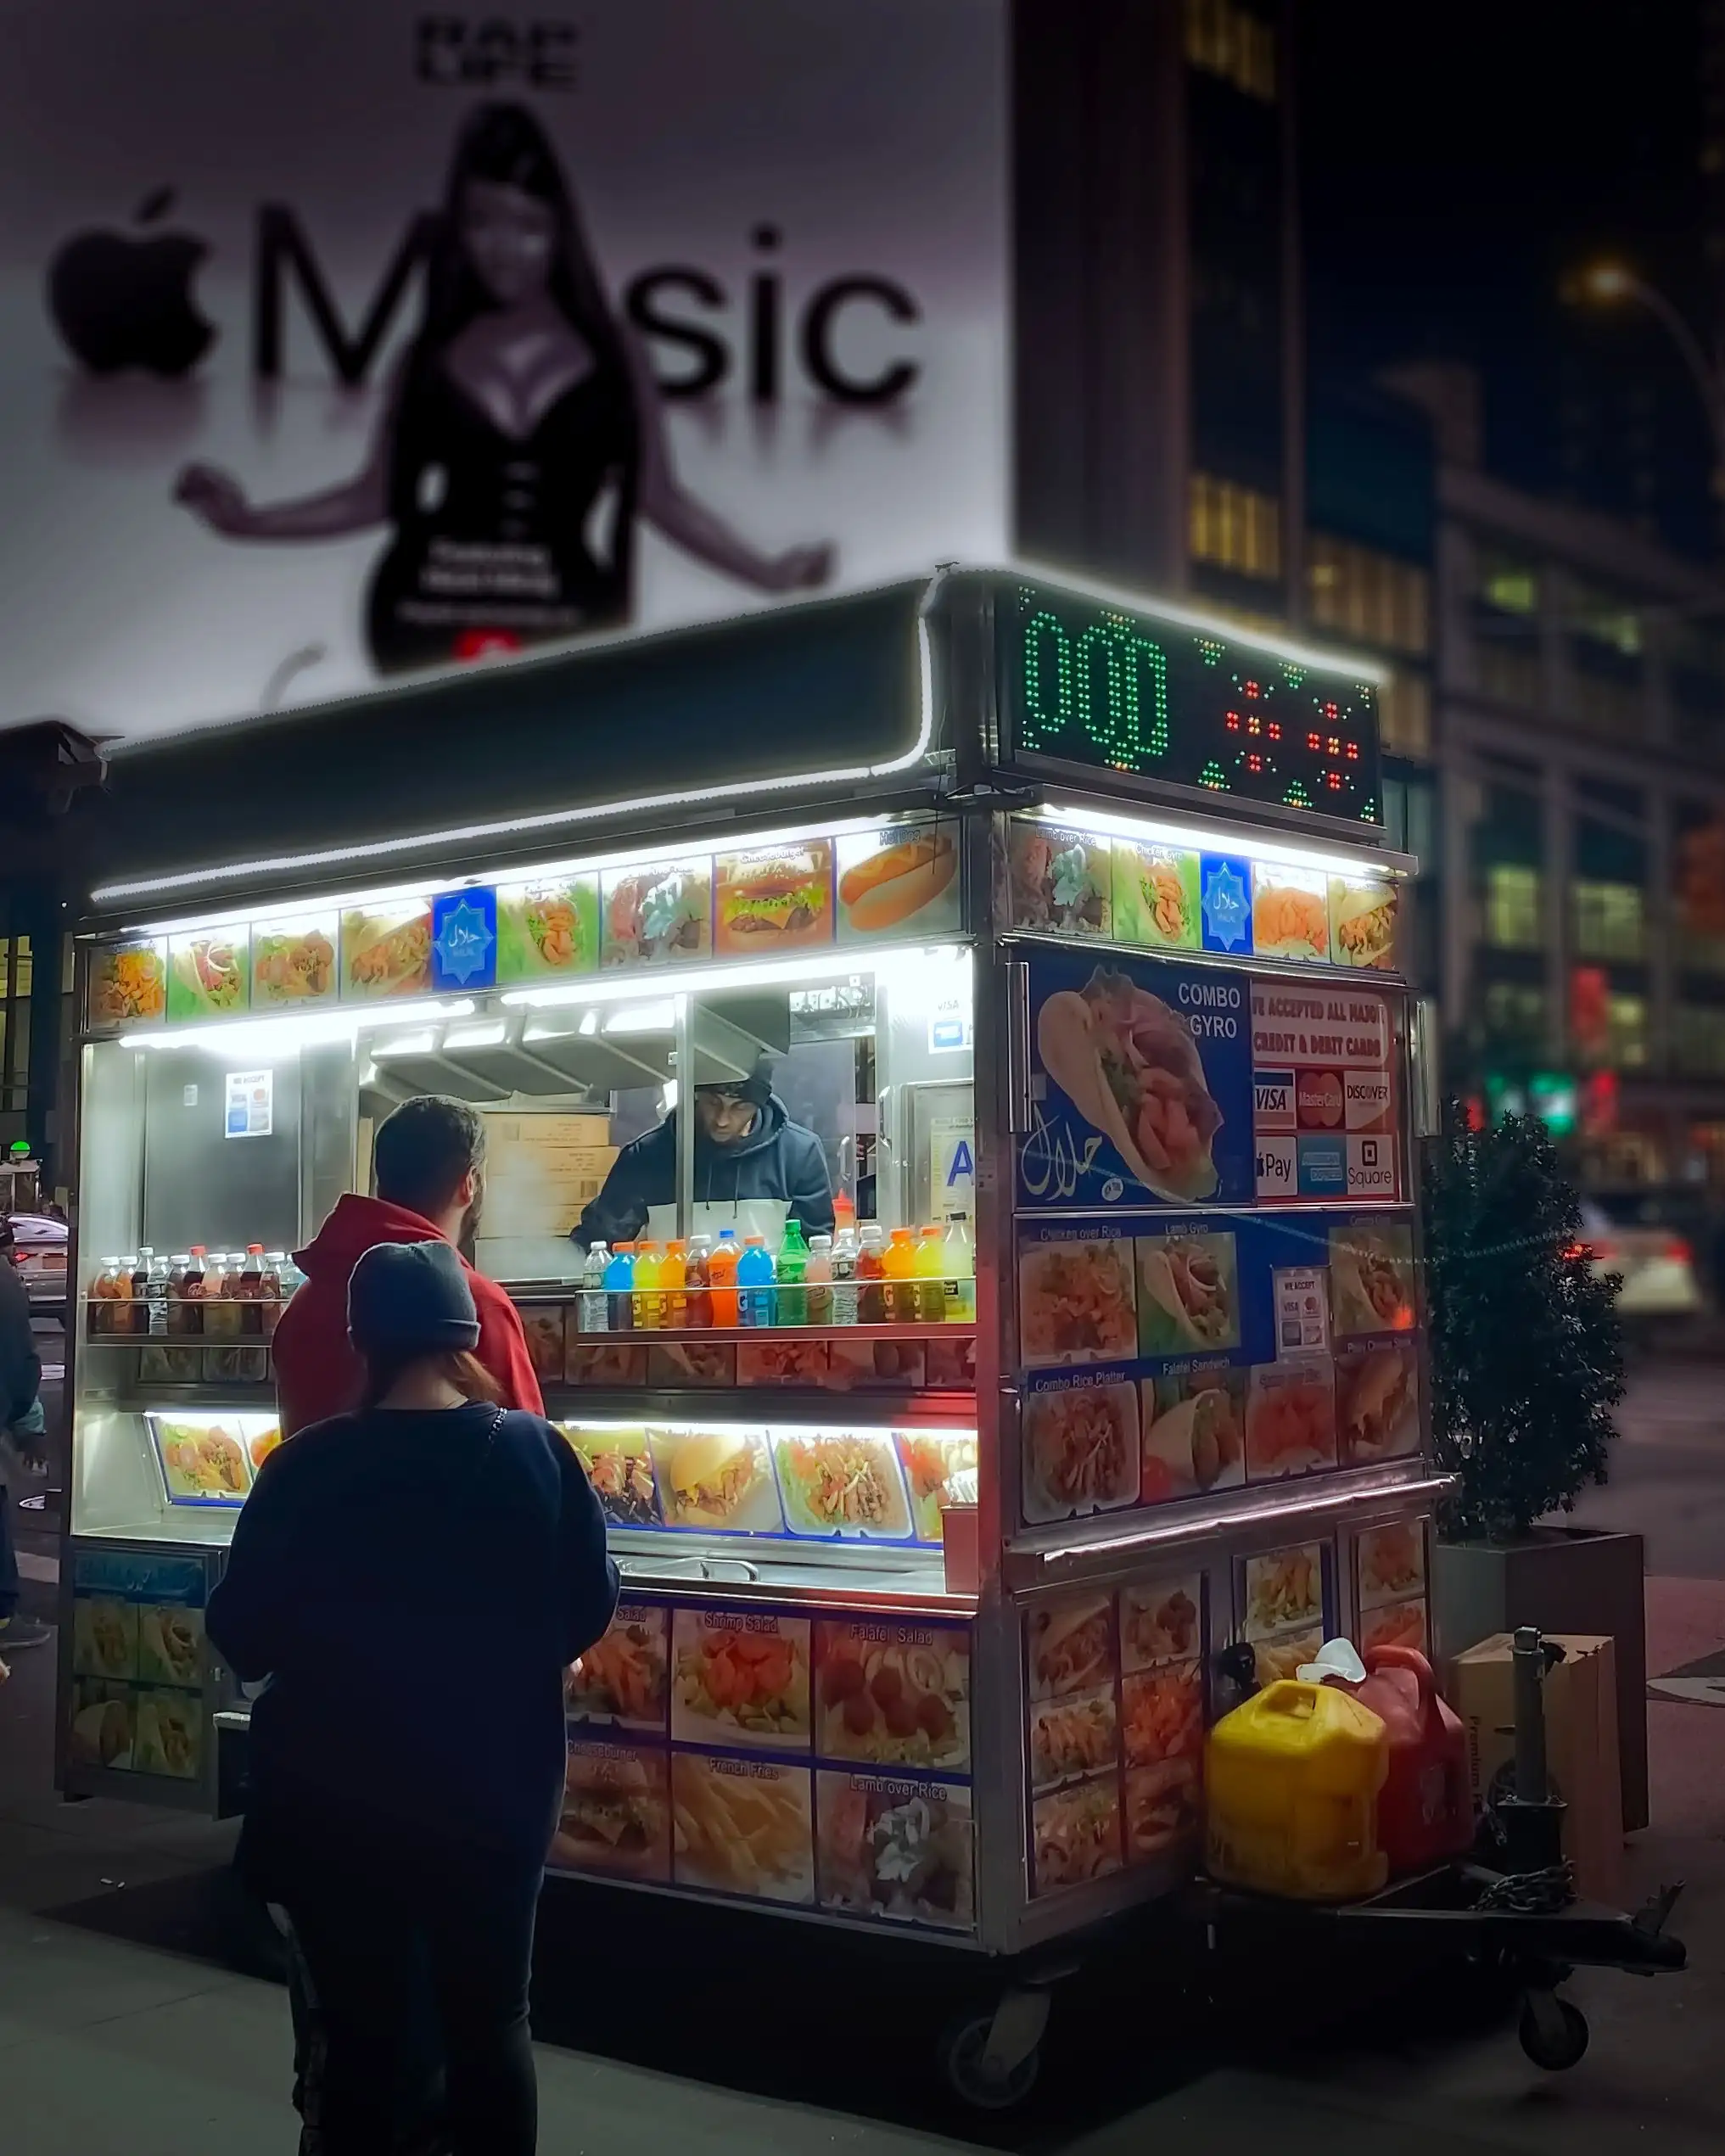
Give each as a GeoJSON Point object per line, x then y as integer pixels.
{"type": "Point", "coordinates": [871, 1273]}
{"type": "Point", "coordinates": [191, 1291]}
{"type": "Point", "coordinates": [819, 1276]}
{"type": "Point", "coordinates": [649, 1303]}
{"type": "Point", "coordinates": [902, 1303]}
{"type": "Point", "coordinates": [959, 1264]}
{"type": "Point", "coordinates": [754, 1280]}
{"type": "Point", "coordinates": [105, 1291]}
{"type": "Point", "coordinates": [844, 1287]}
{"type": "Point", "coordinates": [721, 1271]}
{"type": "Point", "coordinates": [931, 1275]}
{"type": "Point", "coordinates": [274, 1260]}
{"type": "Point", "coordinates": [793, 1266]}
{"type": "Point", "coordinates": [674, 1276]}
{"type": "Point", "coordinates": [592, 1311]}
{"type": "Point", "coordinates": [251, 1289]}
{"type": "Point", "coordinates": [619, 1289]}
{"type": "Point", "coordinates": [699, 1274]}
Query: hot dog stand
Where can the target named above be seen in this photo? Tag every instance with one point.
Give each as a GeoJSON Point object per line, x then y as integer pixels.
{"type": "Point", "coordinates": [1070, 919]}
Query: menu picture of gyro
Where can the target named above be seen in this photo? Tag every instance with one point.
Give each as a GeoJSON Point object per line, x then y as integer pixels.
{"type": "Point", "coordinates": [743, 1826]}
{"type": "Point", "coordinates": [1390, 1580]}
{"type": "Point", "coordinates": [1285, 1604]}
{"type": "Point", "coordinates": [741, 1679]}
{"type": "Point", "coordinates": [1188, 1293]}
{"type": "Point", "coordinates": [897, 1849]}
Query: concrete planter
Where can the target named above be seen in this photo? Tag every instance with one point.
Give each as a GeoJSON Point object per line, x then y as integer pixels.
{"type": "Point", "coordinates": [1562, 1579]}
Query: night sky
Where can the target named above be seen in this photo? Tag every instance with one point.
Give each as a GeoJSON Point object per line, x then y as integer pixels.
{"type": "Point", "coordinates": [1457, 160]}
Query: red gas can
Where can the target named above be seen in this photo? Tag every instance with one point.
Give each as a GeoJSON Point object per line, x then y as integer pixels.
{"type": "Point", "coordinates": [1426, 1808]}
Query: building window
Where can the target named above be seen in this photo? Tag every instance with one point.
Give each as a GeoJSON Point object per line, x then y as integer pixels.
{"type": "Point", "coordinates": [1236, 527]}
{"type": "Point", "coordinates": [1506, 583]}
{"type": "Point", "coordinates": [1368, 596]}
{"type": "Point", "coordinates": [1404, 715]}
{"type": "Point", "coordinates": [1701, 886]}
{"type": "Point", "coordinates": [1514, 1018]}
{"type": "Point", "coordinates": [1698, 1039]}
{"type": "Point", "coordinates": [1603, 617]}
{"type": "Point", "coordinates": [1610, 920]}
{"type": "Point", "coordinates": [17, 967]}
{"type": "Point", "coordinates": [1512, 907]}
{"type": "Point", "coordinates": [1227, 39]}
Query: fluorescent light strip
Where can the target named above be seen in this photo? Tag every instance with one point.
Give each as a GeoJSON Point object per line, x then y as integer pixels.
{"type": "Point", "coordinates": [553, 819]}
{"type": "Point", "coordinates": [1225, 839]}
{"type": "Point", "coordinates": [298, 1029]}
{"type": "Point", "coordinates": [1208, 625]}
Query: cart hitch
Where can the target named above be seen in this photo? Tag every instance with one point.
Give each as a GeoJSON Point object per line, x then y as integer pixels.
{"type": "Point", "coordinates": [1650, 1919]}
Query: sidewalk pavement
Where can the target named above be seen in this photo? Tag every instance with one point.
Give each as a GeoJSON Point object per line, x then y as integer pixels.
{"type": "Point", "coordinates": [130, 2027]}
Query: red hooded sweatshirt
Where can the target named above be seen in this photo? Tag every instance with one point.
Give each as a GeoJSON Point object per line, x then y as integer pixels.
{"type": "Point", "coordinates": [317, 1374]}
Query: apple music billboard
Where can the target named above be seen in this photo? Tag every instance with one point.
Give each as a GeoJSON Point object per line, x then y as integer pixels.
{"type": "Point", "coordinates": [340, 338]}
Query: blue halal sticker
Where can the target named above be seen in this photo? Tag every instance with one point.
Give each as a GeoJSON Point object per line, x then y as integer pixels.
{"type": "Point", "coordinates": [1323, 1164]}
{"type": "Point", "coordinates": [464, 940]}
{"type": "Point", "coordinates": [1102, 1131]}
{"type": "Point", "coordinates": [1224, 902]}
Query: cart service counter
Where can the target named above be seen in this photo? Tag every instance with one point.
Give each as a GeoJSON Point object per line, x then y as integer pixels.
{"type": "Point", "coordinates": [1101, 958]}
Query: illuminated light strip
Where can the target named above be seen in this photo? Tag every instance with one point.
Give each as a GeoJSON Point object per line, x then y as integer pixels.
{"type": "Point", "coordinates": [697, 980]}
{"type": "Point", "coordinates": [555, 819]}
{"type": "Point", "coordinates": [300, 1029]}
{"type": "Point", "coordinates": [1225, 839]}
{"type": "Point", "coordinates": [1146, 609]}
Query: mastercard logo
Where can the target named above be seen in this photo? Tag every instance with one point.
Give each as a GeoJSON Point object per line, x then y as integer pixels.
{"type": "Point", "coordinates": [1317, 1099]}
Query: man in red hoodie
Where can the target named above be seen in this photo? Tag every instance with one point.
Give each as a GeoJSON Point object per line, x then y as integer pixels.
{"type": "Point", "coordinates": [430, 1170]}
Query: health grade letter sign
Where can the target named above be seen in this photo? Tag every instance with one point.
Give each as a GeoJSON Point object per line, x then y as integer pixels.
{"type": "Point", "coordinates": [1141, 1085]}
{"type": "Point", "coordinates": [357, 336]}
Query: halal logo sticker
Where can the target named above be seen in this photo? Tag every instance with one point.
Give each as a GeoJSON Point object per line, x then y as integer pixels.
{"type": "Point", "coordinates": [464, 938]}
{"type": "Point", "coordinates": [1225, 902]}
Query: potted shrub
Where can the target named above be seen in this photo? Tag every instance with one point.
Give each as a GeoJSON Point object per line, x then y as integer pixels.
{"type": "Point", "coordinates": [1526, 1366]}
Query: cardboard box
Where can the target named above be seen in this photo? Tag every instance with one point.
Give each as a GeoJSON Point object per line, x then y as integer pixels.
{"type": "Point", "coordinates": [1581, 1746]}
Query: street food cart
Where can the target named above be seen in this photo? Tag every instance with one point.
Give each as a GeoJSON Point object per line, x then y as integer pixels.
{"type": "Point", "coordinates": [1071, 929]}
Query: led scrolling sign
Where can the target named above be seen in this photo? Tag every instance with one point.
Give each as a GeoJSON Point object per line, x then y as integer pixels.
{"type": "Point", "coordinates": [1089, 688]}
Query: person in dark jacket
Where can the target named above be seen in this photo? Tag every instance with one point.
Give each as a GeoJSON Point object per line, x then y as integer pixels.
{"type": "Point", "coordinates": [407, 1775]}
{"type": "Point", "coordinates": [746, 1146]}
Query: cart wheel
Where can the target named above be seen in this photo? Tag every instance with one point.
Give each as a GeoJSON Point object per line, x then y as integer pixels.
{"type": "Point", "coordinates": [965, 2068]}
{"type": "Point", "coordinates": [1553, 2033]}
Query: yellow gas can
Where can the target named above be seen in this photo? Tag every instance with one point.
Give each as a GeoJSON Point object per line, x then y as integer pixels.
{"type": "Point", "coordinates": [1292, 1782]}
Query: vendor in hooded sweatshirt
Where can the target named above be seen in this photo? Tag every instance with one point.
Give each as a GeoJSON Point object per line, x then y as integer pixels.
{"type": "Point", "coordinates": [747, 1149]}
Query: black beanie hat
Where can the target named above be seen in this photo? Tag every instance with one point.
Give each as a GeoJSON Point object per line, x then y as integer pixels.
{"type": "Point", "coordinates": [412, 1296]}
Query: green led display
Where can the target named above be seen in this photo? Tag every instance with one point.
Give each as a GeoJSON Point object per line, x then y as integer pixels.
{"type": "Point", "coordinates": [1088, 687]}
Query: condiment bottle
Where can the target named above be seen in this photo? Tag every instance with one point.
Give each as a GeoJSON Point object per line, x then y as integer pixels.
{"type": "Point", "coordinates": [820, 1280]}
{"type": "Point", "coordinates": [754, 1280]}
{"type": "Point", "coordinates": [674, 1277]}
{"type": "Point", "coordinates": [844, 1287]}
{"type": "Point", "coordinates": [792, 1268]}
{"type": "Point", "coordinates": [901, 1278]}
{"type": "Point", "coordinates": [649, 1305]}
{"type": "Point", "coordinates": [931, 1275]}
{"type": "Point", "coordinates": [959, 1264]}
{"type": "Point", "coordinates": [699, 1272]}
{"type": "Point", "coordinates": [619, 1289]}
{"type": "Point", "coordinates": [592, 1311]}
{"type": "Point", "coordinates": [870, 1273]}
{"type": "Point", "coordinates": [721, 1272]}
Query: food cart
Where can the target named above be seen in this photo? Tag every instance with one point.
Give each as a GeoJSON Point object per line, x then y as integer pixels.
{"type": "Point", "coordinates": [1084, 931]}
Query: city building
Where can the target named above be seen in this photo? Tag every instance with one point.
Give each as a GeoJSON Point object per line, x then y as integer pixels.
{"type": "Point", "coordinates": [1580, 728]}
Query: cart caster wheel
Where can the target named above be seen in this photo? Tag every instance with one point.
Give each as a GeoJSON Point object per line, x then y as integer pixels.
{"type": "Point", "coordinates": [1553, 2033]}
{"type": "Point", "coordinates": [972, 2076]}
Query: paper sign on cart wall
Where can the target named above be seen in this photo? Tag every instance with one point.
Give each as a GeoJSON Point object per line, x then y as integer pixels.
{"type": "Point", "coordinates": [952, 1179]}
{"type": "Point", "coordinates": [251, 1100]}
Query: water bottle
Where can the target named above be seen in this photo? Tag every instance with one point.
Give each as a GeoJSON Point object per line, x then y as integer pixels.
{"type": "Point", "coordinates": [844, 1287]}
{"type": "Point", "coordinates": [592, 1312]}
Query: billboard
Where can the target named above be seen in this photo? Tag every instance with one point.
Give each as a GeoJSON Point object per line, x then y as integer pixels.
{"type": "Point", "coordinates": [342, 339]}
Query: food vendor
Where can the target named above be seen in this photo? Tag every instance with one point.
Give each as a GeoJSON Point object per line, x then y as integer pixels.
{"type": "Point", "coordinates": [753, 1168]}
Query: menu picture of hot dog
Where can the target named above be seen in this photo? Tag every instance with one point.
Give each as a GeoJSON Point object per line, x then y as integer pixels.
{"type": "Point", "coordinates": [1130, 1067]}
{"type": "Point", "coordinates": [1070, 1645]}
{"type": "Point", "coordinates": [778, 899]}
{"type": "Point", "coordinates": [656, 916]}
{"type": "Point", "coordinates": [1377, 1402]}
{"type": "Point", "coordinates": [617, 1813]}
{"type": "Point", "coordinates": [1072, 1738]}
{"type": "Point", "coordinates": [1076, 1834]}
{"type": "Point", "coordinates": [1061, 879]}
{"type": "Point", "coordinates": [905, 876]}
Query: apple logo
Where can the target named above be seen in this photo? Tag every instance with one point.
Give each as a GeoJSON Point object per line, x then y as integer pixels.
{"type": "Point", "coordinates": [122, 302]}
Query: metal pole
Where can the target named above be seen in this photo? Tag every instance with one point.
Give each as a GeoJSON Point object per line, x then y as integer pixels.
{"type": "Point", "coordinates": [685, 1116]}
{"type": "Point", "coordinates": [1532, 1785]}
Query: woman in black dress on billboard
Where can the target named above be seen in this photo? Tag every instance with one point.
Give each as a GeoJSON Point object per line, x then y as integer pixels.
{"type": "Point", "coordinates": [522, 437]}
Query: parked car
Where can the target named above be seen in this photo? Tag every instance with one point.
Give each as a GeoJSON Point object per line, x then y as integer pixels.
{"type": "Point", "coordinates": [40, 1241]}
{"type": "Point", "coordinates": [1656, 1265]}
